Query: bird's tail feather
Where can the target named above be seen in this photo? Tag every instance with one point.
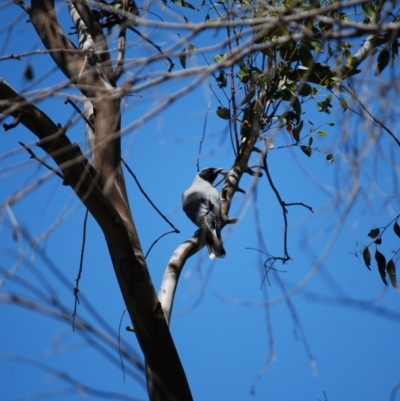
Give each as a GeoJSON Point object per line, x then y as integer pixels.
{"type": "Point", "coordinates": [215, 247]}
{"type": "Point", "coordinates": [211, 227]}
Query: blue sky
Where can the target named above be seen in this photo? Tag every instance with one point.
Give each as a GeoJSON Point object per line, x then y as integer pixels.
{"type": "Point", "coordinates": [335, 334]}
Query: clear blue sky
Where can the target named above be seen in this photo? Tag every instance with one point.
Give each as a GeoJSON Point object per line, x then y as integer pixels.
{"type": "Point", "coordinates": [336, 334]}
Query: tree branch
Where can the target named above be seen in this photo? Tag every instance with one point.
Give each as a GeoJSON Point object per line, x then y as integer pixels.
{"type": "Point", "coordinates": [136, 286]}
{"type": "Point", "coordinates": [249, 135]}
{"type": "Point", "coordinates": [96, 32]}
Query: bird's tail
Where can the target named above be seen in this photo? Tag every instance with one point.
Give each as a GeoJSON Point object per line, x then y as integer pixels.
{"type": "Point", "coordinates": [215, 246]}
{"type": "Point", "coordinates": [211, 228]}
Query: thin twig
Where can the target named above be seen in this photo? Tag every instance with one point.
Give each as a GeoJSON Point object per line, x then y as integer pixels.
{"type": "Point", "coordinates": [147, 197]}
{"type": "Point", "coordinates": [158, 239]}
{"type": "Point", "coordinates": [76, 289]}
{"type": "Point", "coordinates": [204, 132]}
{"type": "Point", "coordinates": [376, 121]}
{"type": "Point", "coordinates": [148, 40]}
{"type": "Point", "coordinates": [281, 202]}
{"type": "Point", "coordinates": [283, 205]}
{"type": "Point", "coordinates": [300, 204]}
{"type": "Point", "coordinates": [33, 156]}
{"type": "Point", "coordinates": [68, 100]}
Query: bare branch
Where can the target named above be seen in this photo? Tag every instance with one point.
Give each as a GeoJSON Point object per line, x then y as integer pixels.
{"type": "Point", "coordinates": [34, 156]}
{"type": "Point", "coordinates": [147, 197]}
{"type": "Point", "coordinates": [376, 121]}
{"type": "Point", "coordinates": [77, 280]}
{"type": "Point", "coordinates": [148, 40]}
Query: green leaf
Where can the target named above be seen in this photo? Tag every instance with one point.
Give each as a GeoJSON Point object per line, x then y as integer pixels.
{"type": "Point", "coordinates": [307, 150]}
{"type": "Point", "coordinates": [331, 124]}
{"type": "Point", "coordinates": [383, 61]}
{"type": "Point", "coordinates": [182, 58]}
{"type": "Point", "coordinates": [304, 89]}
{"type": "Point", "coordinates": [296, 131]}
{"type": "Point", "coordinates": [310, 141]}
{"type": "Point", "coordinates": [223, 113]}
{"type": "Point", "coordinates": [367, 257]}
{"type": "Point", "coordinates": [296, 106]}
{"type": "Point", "coordinates": [329, 158]}
{"type": "Point", "coordinates": [190, 50]}
{"type": "Point", "coordinates": [374, 233]}
{"type": "Point", "coordinates": [267, 52]}
{"type": "Point", "coordinates": [378, 241]}
{"type": "Point", "coordinates": [325, 105]}
{"type": "Point", "coordinates": [368, 10]}
{"type": "Point", "coordinates": [220, 57]}
{"type": "Point", "coordinates": [316, 45]}
{"type": "Point", "coordinates": [289, 52]}
{"type": "Point", "coordinates": [343, 103]}
{"type": "Point", "coordinates": [323, 134]}
{"type": "Point", "coordinates": [328, 100]}
{"type": "Point", "coordinates": [305, 55]}
{"type": "Point", "coordinates": [391, 271]}
{"type": "Point", "coordinates": [381, 261]}
{"type": "Point", "coordinates": [183, 3]}
{"type": "Point", "coordinates": [396, 228]}
{"type": "Point", "coordinates": [348, 56]}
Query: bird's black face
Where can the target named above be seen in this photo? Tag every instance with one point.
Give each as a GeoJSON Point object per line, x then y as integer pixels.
{"type": "Point", "coordinates": [210, 174]}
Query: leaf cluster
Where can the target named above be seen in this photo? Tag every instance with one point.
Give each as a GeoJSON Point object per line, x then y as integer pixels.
{"type": "Point", "coordinates": [384, 267]}
{"type": "Point", "coordinates": [298, 62]}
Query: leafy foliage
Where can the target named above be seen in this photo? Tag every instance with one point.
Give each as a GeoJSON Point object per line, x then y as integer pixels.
{"type": "Point", "coordinates": [291, 72]}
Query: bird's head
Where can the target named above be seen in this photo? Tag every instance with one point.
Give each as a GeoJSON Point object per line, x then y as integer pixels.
{"type": "Point", "coordinates": [210, 173]}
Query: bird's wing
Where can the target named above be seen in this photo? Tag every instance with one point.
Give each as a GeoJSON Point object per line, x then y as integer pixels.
{"type": "Point", "coordinates": [199, 199]}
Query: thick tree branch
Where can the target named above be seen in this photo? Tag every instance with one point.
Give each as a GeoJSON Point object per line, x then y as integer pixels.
{"type": "Point", "coordinates": [96, 32]}
{"type": "Point", "coordinates": [173, 270]}
{"type": "Point", "coordinates": [68, 59]}
{"type": "Point", "coordinates": [138, 292]}
{"type": "Point", "coordinates": [114, 181]}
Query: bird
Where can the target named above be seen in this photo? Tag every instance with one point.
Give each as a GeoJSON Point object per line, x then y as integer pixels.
{"type": "Point", "coordinates": [202, 205]}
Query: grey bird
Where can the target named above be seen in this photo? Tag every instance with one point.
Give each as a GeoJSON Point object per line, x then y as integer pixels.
{"type": "Point", "coordinates": [202, 205]}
